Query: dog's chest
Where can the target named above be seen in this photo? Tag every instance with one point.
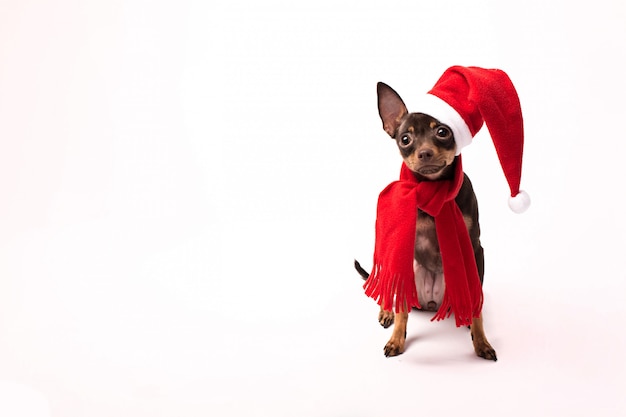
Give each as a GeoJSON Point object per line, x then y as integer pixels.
{"type": "Point", "coordinates": [428, 267]}
{"type": "Point", "coordinates": [427, 252]}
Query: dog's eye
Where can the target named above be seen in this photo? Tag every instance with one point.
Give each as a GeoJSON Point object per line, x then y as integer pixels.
{"type": "Point", "coordinates": [405, 140]}
{"type": "Point", "coordinates": [443, 133]}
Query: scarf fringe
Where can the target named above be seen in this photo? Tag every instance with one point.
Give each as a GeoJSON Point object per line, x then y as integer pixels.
{"type": "Point", "coordinates": [392, 291]}
{"type": "Point", "coordinates": [463, 296]}
{"type": "Point", "coordinates": [398, 293]}
{"type": "Point", "coordinates": [462, 318]}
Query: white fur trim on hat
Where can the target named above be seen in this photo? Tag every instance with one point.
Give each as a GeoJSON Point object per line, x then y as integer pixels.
{"type": "Point", "coordinates": [442, 111]}
{"type": "Point", "coordinates": [520, 202]}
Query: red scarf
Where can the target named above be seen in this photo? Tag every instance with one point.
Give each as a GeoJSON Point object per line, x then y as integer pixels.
{"type": "Point", "coordinates": [393, 279]}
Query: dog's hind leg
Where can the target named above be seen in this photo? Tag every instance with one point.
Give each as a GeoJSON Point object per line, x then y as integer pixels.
{"type": "Point", "coordinates": [385, 318]}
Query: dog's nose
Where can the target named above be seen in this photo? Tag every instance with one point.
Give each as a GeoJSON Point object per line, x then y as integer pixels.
{"type": "Point", "coordinates": [425, 154]}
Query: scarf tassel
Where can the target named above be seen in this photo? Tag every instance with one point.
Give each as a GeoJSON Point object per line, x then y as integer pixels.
{"type": "Point", "coordinates": [392, 291]}
{"type": "Point", "coordinates": [463, 295]}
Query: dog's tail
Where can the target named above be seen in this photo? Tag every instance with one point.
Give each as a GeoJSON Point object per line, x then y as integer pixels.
{"type": "Point", "coordinates": [364, 274]}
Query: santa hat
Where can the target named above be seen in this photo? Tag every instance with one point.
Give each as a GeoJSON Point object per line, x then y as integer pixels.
{"type": "Point", "coordinates": [464, 98]}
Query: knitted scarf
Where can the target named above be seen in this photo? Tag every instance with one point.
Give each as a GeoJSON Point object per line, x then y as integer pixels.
{"type": "Point", "coordinates": [392, 279]}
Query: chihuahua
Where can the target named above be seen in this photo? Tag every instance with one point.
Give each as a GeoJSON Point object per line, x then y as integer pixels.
{"type": "Point", "coordinates": [428, 150]}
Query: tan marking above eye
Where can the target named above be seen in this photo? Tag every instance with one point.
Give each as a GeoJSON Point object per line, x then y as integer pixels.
{"type": "Point", "coordinates": [433, 124]}
{"type": "Point", "coordinates": [411, 129]}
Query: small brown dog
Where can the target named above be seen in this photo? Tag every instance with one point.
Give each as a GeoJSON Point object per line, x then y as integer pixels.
{"type": "Point", "coordinates": [428, 149]}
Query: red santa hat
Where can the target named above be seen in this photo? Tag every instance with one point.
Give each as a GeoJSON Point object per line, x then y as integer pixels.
{"type": "Point", "coordinates": [464, 98]}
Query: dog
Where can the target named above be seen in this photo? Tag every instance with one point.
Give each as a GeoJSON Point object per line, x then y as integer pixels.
{"type": "Point", "coordinates": [428, 149]}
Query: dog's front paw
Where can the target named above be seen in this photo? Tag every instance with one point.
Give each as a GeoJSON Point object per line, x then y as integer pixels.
{"type": "Point", "coordinates": [394, 347]}
{"type": "Point", "coordinates": [385, 318]}
{"type": "Point", "coordinates": [484, 350]}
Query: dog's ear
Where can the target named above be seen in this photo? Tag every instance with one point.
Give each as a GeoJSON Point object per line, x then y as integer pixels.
{"type": "Point", "coordinates": [390, 107]}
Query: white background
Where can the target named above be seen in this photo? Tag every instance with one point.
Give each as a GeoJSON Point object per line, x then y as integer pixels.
{"type": "Point", "coordinates": [185, 185]}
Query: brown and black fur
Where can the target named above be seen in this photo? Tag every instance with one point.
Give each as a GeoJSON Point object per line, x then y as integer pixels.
{"type": "Point", "coordinates": [428, 149]}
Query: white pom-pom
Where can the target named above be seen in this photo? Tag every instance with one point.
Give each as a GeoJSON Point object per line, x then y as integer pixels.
{"type": "Point", "coordinates": [520, 202]}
